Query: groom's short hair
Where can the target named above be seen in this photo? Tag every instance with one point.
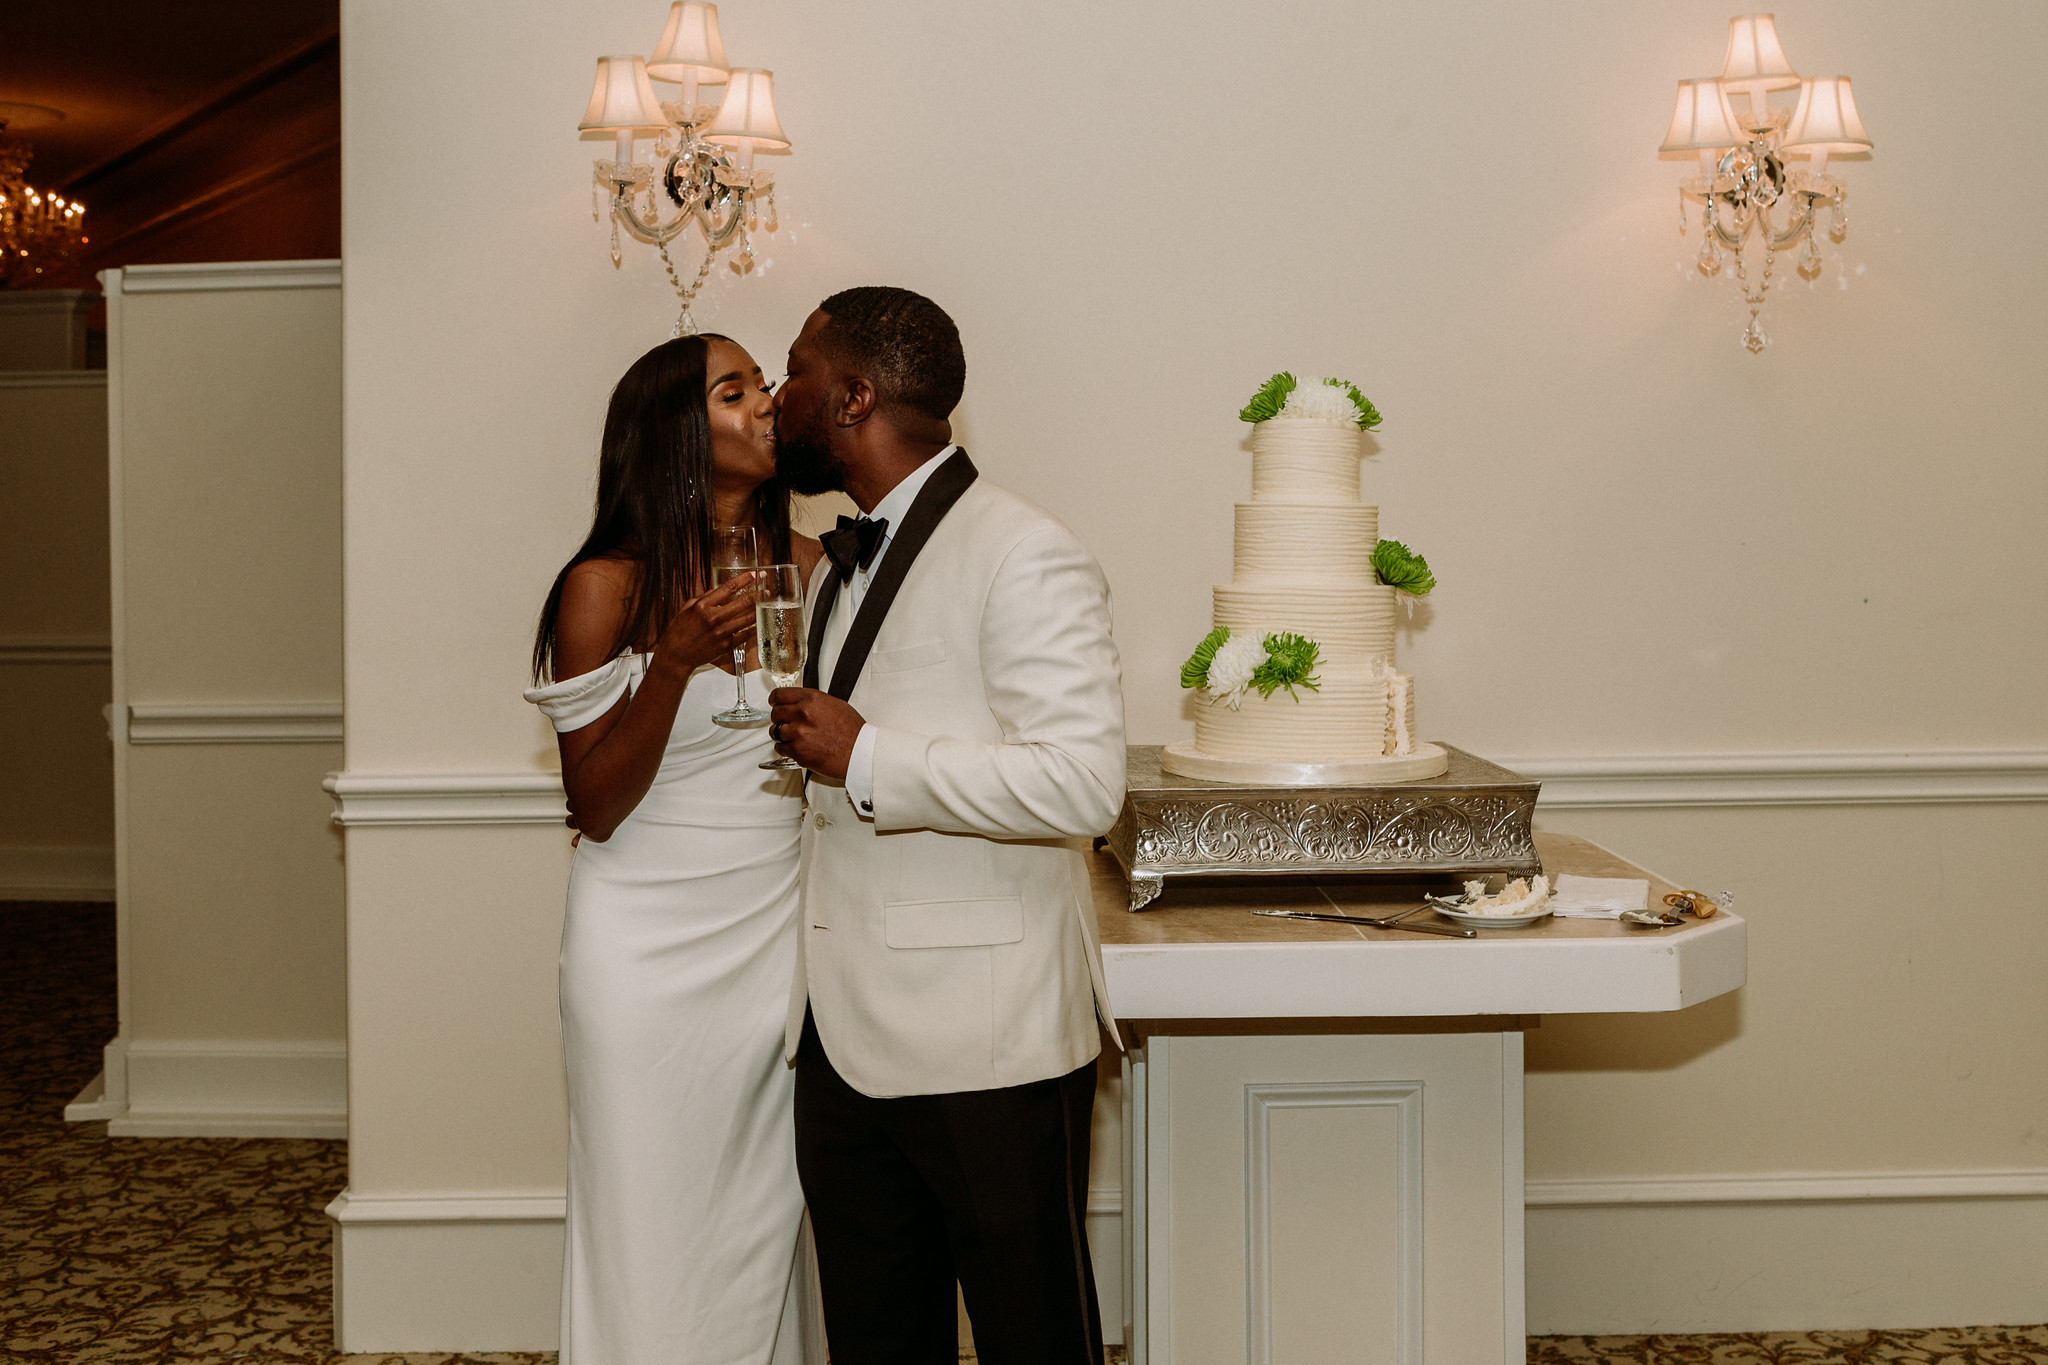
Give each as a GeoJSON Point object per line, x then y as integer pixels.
{"type": "Point", "coordinates": [902, 343]}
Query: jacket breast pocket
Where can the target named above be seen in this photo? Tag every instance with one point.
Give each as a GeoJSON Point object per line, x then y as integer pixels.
{"type": "Point", "coordinates": [908, 657]}
{"type": "Point", "coordinates": [953, 924]}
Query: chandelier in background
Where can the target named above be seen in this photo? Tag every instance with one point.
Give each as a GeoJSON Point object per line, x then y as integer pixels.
{"type": "Point", "coordinates": [702, 173]}
{"type": "Point", "coordinates": [1743, 157]}
{"type": "Point", "coordinates": [38, 232]}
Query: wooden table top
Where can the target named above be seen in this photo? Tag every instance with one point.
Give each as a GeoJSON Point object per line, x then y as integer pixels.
{"type": "Point", "coordinates": [1215, 909]}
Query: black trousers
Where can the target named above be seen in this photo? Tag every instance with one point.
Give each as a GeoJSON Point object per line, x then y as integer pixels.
{"type": "Point", "coordinates": [907, 1195]}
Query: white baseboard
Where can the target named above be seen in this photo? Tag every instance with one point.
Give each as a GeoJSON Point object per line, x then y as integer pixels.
{"type": "Point", "coordinates": [482, 1271]}
{"type": "Point", "coordinates": [447, 1272]}
{"type": "Point", "coordinates": [1786, 1266]}
{"type": "Point", "coordinates": [1799, 1187]}
{"type": "Point", "coordinates": [31, 873]}
{"type": "Point", "coordinates": [207, 1088]}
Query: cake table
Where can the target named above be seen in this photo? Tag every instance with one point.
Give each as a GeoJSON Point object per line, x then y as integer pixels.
{"type": "Point", "coordinates": [1322, 1125]}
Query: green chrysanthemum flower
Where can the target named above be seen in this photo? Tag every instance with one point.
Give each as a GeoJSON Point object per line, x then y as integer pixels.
{"type": "Point", "coordinates": [1401, 568]}
{"type": "Point", "coordinates": [1267, 402]}
{"type": "Point", "coordinates": [1195, 672]}
{"type": "Point", "coordinates": [1290, 663]}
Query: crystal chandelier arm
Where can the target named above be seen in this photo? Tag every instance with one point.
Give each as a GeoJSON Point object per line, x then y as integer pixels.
{"type": "Point", "coordinates": [1797, 225]}
{"type": "Point", "coordinates": [655, 233]}
{"type": "Point", "coordinates": [719, 222]}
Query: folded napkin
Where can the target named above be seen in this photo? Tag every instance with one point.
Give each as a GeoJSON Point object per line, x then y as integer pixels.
{"type": "Point", "coordinates": [1598, 897]}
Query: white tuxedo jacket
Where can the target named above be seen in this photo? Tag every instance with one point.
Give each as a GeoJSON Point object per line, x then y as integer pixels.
{"type": "Point", "coordinates": [948, 942]}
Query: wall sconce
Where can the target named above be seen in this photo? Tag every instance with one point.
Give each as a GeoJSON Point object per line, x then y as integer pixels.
{"type": "Point", "coordinates": [703, 162]}
{"type": "Point", "coordinates": [1743, 175]}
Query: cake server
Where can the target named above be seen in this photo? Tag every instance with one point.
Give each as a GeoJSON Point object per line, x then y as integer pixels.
{"type": "Point", "coordinates": [1390, 922]}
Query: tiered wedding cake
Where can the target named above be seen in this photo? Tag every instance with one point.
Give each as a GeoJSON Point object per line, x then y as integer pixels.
{"type": "Point", "coordinates": [1298, 679]}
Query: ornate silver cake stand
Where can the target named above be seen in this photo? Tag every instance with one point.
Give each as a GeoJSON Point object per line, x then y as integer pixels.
{"type": "Point", "coordinates": [1473, 818]}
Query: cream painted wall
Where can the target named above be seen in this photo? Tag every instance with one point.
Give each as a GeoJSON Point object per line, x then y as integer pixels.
{"type": "Point", "coordinates": [1650, 542]}
{"type": "Point", "coordinates": [1892, 1020]}
{"type": "Point", "coordinates": [56, 777]}
{"type": "Point", "coordinates": [231, 492]}
{"type": "Point", "coordinates": [226, 489]}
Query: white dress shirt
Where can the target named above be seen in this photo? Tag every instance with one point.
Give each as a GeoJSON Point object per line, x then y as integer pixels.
{"type": "Point", "coordinates": [894, 506]}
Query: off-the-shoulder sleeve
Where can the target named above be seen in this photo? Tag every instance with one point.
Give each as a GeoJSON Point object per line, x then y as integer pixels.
{"type": "Point", "coordinates": [575, 702]}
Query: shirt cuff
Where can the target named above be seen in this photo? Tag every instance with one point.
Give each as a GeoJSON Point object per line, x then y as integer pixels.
{"type": "Point", "coordinates": [860, 771]}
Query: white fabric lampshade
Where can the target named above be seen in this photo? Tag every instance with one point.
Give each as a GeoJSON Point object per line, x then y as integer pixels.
{"type": "Point", "coordinates": [1754, 56]}
{"type": "Point", "coordinates": [747, 117]}
{"type": "Point", "coordinates": [622, 101]}
{"type": "Point", "coordinates": [689, 45]}
{"type": "Point", "coordinates": [1826, 118]}
{"type": "Point", "coordinates": [1701, 120]}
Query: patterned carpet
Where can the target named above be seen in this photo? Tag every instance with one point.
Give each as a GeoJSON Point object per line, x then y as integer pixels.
{"type": "Point", "coordinates": [205, 1251]}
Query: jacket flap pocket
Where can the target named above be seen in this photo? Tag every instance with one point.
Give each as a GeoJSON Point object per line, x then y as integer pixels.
{"type": "Point", "coordinates": [910, 656]}
{"type": "Point", "coordinates": [953, 924]}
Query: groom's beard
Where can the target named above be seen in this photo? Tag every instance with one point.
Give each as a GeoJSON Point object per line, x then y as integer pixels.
{"type": "Point", "coordinates": [805, 464]}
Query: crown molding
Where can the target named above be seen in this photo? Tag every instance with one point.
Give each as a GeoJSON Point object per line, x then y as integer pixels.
{"type": "Point", "coordinates": [234, 723]}
{"type": "Point", "coordinates": [1845, 778]}
{"type": "Point", "coordinates": [209, 277]}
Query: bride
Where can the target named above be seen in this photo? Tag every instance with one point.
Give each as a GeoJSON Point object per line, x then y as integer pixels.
{"type": "Point", "coordinates": [679, 941]}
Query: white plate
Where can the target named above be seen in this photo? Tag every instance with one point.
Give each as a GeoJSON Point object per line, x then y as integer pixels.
{"type": "Point", "coordinates": [1495, 921]}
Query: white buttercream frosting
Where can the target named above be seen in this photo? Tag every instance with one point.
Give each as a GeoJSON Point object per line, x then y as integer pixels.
{"type": "Point", "coordinates": [1306, 459]}
{"type": "Point", "coordinates": [1302, 562]}
{"type": "Point", "coordinates": [1354, 625]}
{"type": "Point", "coordinates": [1328, 544]}
{"type": "Point", "coordinates": [1344, 719]}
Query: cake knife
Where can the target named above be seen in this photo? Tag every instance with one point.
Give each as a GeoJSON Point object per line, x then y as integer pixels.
{"type": "Point", "coordinates": [1393, 922]}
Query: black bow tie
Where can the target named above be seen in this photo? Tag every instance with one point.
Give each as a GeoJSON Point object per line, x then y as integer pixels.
{"type": "Point", "coordinates": [854, 543]}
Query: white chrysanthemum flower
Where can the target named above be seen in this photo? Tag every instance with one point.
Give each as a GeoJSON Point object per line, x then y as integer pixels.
{"type": "Point", "coordinates": [1230, 672]}
{"type": "Point", "coordinates": [1319, 398]}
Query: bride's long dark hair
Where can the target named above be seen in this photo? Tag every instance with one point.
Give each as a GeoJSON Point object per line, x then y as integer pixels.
{"type": "Point", "coordinates": [654, 497]}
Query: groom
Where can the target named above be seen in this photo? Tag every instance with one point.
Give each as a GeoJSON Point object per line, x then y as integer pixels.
{"type": "Point", "coordinates": [943, 1021]}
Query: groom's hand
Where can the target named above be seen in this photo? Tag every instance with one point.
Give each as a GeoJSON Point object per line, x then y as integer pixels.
{"type": "Point", "coordinates": [814, 728]}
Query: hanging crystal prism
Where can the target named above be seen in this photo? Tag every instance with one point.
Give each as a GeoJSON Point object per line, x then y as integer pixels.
{"type": "Point", "coordinates": [615, 240]}
{"type": "Point", "coordinates": [1809, 259]}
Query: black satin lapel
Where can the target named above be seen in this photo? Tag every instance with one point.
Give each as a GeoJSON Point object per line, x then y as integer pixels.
{"type": "Point", "coordinates": [821, 610]}
{"type": "Point", "coordinates": [933, 501]}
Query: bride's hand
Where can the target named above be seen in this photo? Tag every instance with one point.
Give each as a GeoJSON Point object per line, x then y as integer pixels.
{"type": "Point", "coordinates": [710, 627]}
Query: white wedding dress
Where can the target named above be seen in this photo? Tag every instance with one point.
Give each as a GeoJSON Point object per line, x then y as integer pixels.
{"type": "Point", "coordinates": [678, 947]}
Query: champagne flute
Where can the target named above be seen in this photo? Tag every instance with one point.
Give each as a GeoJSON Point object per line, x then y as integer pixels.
{"type": "Point", "coordinates": [733, 554]}
{"type": "Point", "coordinates": [779, 622]}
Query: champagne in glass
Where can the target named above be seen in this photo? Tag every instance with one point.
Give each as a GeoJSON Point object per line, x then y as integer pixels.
{"type": "Point", "coordinates": [779, 618]}
{"type": "Point", "coordinates": [733, 553]}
